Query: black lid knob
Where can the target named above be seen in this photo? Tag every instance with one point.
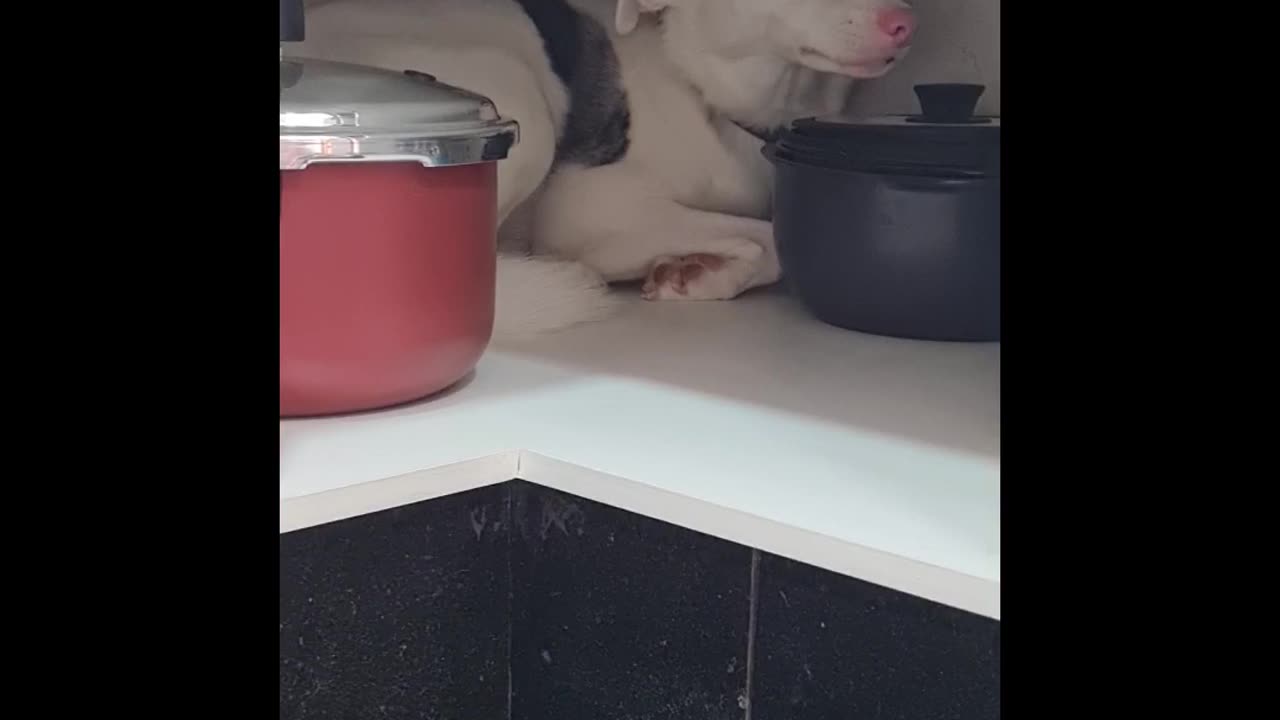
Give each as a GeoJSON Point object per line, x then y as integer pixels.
{"type": "Point", "coordinates": [948, 102]}
{"type": "Point", "coordinates": [293, 27]}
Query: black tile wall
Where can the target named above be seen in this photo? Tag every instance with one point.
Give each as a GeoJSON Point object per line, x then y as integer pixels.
{"type": "Point", "coordinates": [399, 614]}
{"type": "Point", "coordinates": [517, 602]}
{"type": "Point", "coordinates": [622, 617]}
{"type": "Point", "coordinates": [830, 647]}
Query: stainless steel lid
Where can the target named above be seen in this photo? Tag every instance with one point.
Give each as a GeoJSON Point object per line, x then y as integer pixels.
{"type": "Point", "coordinates": [335, 112]}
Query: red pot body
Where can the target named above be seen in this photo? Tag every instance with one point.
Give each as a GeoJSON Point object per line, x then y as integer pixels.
{"type": "Point", "coordinates": [386, 282]}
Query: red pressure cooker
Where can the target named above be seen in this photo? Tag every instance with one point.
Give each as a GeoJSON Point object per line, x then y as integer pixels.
{"type": "Point", "coordinates": [388, 203]}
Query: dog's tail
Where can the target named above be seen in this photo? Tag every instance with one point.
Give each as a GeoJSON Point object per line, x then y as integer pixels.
{"type": "Point", "coordinates": [538, 295]}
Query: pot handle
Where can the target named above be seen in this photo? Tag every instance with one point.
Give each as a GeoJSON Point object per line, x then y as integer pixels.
{"type": "Point", "coordinates": [293, 25]}
{"type": "Point", "coordinates": [293, 28]}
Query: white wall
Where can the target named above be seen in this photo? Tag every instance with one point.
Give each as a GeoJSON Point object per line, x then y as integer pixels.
{"type": "Point", "coordinates": [958, 41]}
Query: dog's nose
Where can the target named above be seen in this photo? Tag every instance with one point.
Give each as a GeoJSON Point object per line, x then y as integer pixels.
{"type": "Point", "coordinates": [899, 24]}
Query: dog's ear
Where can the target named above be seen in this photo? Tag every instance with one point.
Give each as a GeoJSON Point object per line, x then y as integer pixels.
{"type": "Point", "coordinates": [627, 15]}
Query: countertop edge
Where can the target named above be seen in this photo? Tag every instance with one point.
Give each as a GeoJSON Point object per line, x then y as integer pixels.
{"type": "Point", "coordinates": [306, 511]}
{"type": "Point", "coordinates": [959, 590]}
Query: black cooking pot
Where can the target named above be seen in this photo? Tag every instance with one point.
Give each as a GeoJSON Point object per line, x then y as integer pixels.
{"type": "Point", "coordinates": [892, 226]}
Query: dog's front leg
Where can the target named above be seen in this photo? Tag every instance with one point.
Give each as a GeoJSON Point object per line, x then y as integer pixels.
{"type": "Point", "coordinates": [686, 254]}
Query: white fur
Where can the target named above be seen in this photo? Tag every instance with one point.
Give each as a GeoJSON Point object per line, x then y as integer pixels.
{"type": "Point", "coordinates": [692, 182]}
{"type": "Point", "coordinates": [539, 295]}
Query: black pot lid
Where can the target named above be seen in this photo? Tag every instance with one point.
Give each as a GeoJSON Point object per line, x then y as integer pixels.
{"type": "Point", "coordinates": [942, 105]}
{"type": "Point", "coordinates": [944, 138]}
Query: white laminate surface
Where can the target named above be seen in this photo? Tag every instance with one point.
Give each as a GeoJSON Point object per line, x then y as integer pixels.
{"type": "Point", "coordinates": [748, 420]}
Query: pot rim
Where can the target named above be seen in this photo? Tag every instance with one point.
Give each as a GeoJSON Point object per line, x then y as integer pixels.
{"type": "Point", "coordinates": [770, 153]}
{"type": "Point", "coordinates": [448, 147]}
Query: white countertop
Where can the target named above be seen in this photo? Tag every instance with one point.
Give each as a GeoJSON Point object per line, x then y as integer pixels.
{"type": "Point", "coordinates": [748, 420]}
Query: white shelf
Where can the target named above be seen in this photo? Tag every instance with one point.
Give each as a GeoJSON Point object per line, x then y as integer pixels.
{"type": "Point", "coordinates": [748, 420]}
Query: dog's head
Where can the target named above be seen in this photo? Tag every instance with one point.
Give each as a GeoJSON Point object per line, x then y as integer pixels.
{"type": "Point", "coordinates": [854, 38]}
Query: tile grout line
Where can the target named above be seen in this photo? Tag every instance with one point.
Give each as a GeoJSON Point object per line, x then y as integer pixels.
{"type": "Point", "coordinates": [751, 628]}
{"type": "Point", "coordinates": [511, 580]}
{"type": "Point", "coordinates": [511, 593]}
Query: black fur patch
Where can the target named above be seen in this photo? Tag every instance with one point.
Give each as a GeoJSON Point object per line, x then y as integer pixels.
{"type": "Point", "coordinates": [582, 56]}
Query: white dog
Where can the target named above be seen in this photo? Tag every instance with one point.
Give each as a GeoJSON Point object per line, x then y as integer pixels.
{"type": "Point", "coordinates": [641, 125]}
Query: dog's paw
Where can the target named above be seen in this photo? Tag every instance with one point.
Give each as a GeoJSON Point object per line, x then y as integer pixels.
{"type": "Point", "coordinates": [701, 276]}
